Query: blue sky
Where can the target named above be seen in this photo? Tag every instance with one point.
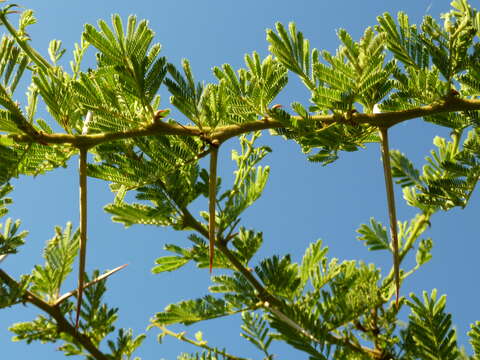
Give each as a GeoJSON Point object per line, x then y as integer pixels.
{"type": "Point", "coordinates": [302, 201]}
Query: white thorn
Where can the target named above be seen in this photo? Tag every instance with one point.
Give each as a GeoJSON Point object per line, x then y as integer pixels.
{"type": "Point", "coordinates": [87, 120]}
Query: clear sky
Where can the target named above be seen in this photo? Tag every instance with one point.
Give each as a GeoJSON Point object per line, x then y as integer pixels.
{"type": "Point", "coordinates": [302, 201]}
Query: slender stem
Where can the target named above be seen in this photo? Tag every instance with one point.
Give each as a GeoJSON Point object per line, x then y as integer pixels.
{"type": "Point", "coordinates": [54, 311]}
{"type": "Point", "coordinates": [83, 229]}
{"type": "Point", "coordinates": [414, 234]}
{"type": "Point", "coordinates": [387, 171]}
{"type": "Point", "coordinates": [201, 344]}
{"type": "Point", "coordinates": [212, 200]}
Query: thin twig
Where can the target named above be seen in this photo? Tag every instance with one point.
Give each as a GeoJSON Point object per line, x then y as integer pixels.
{"type": "Point", "coordinates": [202, 344]}
{"type": "Point", "coordinates": [3, 257]}
{"type": "Point", "coordinates": [387, 171]}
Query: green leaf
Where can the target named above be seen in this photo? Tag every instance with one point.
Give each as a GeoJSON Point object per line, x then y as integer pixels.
{"type": "Point", "coordinates": [423, 254]}
{"type": "Point", "coordinates": [12, 295]}
{"type": "Point", "coordinates": [4, 201]}
{"type": "Point", "coordinates": [10, 240]}
{"type": "Point", "coordinates": [279, 275]}
{"type": "Point", "coordinates": [191, 311]}
{"type": "Point", "coordinates": [404, 41]}
{"type": "Point", "coordinates": [474, 334]}
{"type": "Point", "coordinates": [186, 95]}
{"type": "Point", "coordinates": [129, 57]}
{"type": "Point", "coordinates": [314, 255]}
{"type": "Point", "coordinates": [430, 328]}
{"type": "Point", "coordinates": [59, 255]}
{"type": "Point", "coordinates": [246, 244]}
{"type": "Point", "coordinates": [403, 169]}
{"type": "Point", "coordinates": [374, 236]}
{"type": "Point", "coordinates": [130, 214]}
{"type": "Point", "coordinates": [255, 330]}
{"type": "Point", "coordinates": [250, 180]}
{"type": "Point", "coordinates": [41, 329]}
{"type": "Point", "coordinates": [169, 263]}
{"type": "Point", "coordinates": [55, 50]}
{"type": "Point", "coordinates": [125, 344]}
{"type": "Point", "coordinates": [293, 51]}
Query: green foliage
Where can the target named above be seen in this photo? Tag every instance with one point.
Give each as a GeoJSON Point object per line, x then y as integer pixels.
{"type": "Point", "coordinates": [254, 88]}
{"type": "Point", "coordinates": [4, 201]}
{"type": "Point", "coordinates": [324, 307]}
{"type": "Point", "coordinates": [375, 236]}
{"type": "Point", "coordinates": [97, 321]}
{"type": "Point", "coordinates": [256, 330]}
{"type": "Point", "coordinates": [59, 255]}
{"type": "Point", "coordinates": [356, 74]}
{"type": "Point", "coordinates": [13, 295]}
{"type": "Point", "coordinates": [474, 334]}
{"type": "Point", "coordinates": [13, 63]}
{"type": "Point", "coordinates": [245, 245]}
{"type": "Point", "coordinates": [279, 276]}
{"type": "Point", "coordinates": [161, 169]}
{"type": "Point", "coordinates": [128, 57]}
{"type": "Point", "coordinates": [249, 182]}
{"type": "Point", "coordinates": [204, 355]}
{"type": "Point", "coordinates": [293, 51]}
{"type": "Point", "coordinates": [191, 311]}
{"type": "Point", "coordinates": [41, 329]}
{"type": "Point", "coordinates": [10, 240]}
{"type": "Point", "coordinates": [430, 329]}
{"type": "Point", "coordinates": [448, 179]}
{"type": "Point", "coordinates": [125, 345]}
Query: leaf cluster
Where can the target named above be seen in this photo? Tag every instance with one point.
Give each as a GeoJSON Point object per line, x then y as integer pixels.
{"type": "Point", "coordinates": [322, 306]}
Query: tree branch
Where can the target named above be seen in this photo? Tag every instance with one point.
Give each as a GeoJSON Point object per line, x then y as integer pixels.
{"type": "Point", "coordinates": [54, 311]}
{"type": "Point", "coordinates": [223, 133]}
{"type": "Point", "coordinates": [269, 302]}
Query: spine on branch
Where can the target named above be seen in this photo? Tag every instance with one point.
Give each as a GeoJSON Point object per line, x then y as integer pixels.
{"type": "Point", "coordinates": [212, 194]}
{"type": "Point", "coordinates": [83, 229]}
{"type": "Point", "coordinates": [387, 171]}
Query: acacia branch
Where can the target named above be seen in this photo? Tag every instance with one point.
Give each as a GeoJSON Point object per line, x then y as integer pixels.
{"type": "Point", "coordinates": [223, 133]}
{"type": "Point", "coordinates": [54, 311]}
{"type": "Point", "coordinates": [269, 302]}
